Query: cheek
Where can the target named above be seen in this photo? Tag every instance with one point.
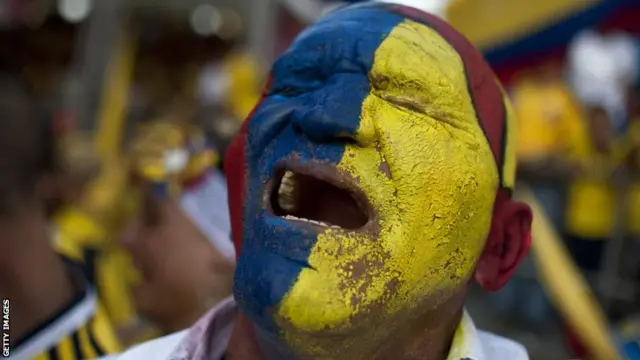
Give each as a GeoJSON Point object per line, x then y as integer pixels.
{"type": "Point", "coordinates": [444, 181]}
{"type": "Point", "coordinates": [445, 211]}
{"type": "Point", "coordinates": [183, 256]}
{"type": "Point", "coordinates": [350, 278]}
{"type": "Point", "coordinates": [171, 278]}
{"type": "Point", "coordinates": [157, 251]}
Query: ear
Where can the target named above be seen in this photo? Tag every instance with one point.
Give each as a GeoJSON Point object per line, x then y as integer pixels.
{"type": "Point", "coordinates": [508, 243]}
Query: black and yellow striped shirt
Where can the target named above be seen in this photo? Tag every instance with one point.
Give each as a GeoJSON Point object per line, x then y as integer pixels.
{"type": "Point", "coordinates": [81, 330]}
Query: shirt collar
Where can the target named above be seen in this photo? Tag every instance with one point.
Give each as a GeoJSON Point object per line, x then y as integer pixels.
{"type": "Point", "coordinates": [466, 343]}
{"type": "Point", "coordinates": [209, 337]}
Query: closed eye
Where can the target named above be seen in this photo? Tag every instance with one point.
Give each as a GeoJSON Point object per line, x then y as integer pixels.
{"type": "Point", "coordinates": [381, 83]}
{"type": "Point", "coordinates": [408, 104]}
{"type": "Point", "coordinates": [419, 108]}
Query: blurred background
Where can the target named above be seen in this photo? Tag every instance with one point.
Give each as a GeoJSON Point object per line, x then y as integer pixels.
{"type": "Point", "coordinates": [105, 68]}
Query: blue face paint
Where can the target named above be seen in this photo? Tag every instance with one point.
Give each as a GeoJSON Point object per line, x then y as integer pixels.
{"type": "Point", "coordinates": [318, 87]}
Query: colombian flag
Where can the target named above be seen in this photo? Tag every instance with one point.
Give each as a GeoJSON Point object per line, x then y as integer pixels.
{"type": "Point", "coordinates": [517, 34]}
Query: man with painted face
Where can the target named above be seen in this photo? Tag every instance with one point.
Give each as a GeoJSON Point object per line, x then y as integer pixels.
{"type": "Point", "coordinates": [367, 189]}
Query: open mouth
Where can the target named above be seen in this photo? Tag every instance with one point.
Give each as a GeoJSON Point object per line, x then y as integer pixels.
{"type": "Point", "coordinates": [304, 198]}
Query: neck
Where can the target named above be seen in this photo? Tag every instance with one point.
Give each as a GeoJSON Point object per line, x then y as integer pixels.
{"type": "Point", "coordinates": [34, 278]}
{"type": "Point", "coordinates": [426, 337]}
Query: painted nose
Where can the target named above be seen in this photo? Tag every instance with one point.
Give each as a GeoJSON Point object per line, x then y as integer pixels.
{"type": "Point", "coordinates": [334, 113]}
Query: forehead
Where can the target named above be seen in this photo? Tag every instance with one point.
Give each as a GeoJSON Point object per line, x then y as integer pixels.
{"type": "Point", "coordinates": [334, 65]}
{"type": "Point", "coordinates": [346, 43]}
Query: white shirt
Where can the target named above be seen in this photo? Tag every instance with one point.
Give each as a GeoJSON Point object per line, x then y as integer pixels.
{"type": "Point", "coordinates": [159, 348]}
{"type": "Point", "coordinates": [208, 339]}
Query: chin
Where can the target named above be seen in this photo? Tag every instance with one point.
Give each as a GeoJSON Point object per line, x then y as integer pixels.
{"type": "Point", "coordinates": [315, 314]}
{"type": "Point", "coordinates": [367, 334]}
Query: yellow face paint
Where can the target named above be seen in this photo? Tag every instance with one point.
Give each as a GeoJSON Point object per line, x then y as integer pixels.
{"type": "Point", "coordinates": [432, 179]}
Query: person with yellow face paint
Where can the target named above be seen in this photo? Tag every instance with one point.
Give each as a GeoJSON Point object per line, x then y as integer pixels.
{"type": "Point", "coordinates": [367, 189]}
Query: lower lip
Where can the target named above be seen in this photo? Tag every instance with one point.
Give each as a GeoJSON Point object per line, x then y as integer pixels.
{"type": "Point", "coordinates": [310, 223]}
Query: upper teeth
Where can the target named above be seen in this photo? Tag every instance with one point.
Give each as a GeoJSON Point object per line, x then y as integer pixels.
{"type": "Point", "coordinates": [286, 192]}
{"type": "Point", "coordinates": [287, 200]}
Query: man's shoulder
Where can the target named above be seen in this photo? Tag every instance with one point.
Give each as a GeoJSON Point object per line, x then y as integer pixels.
{"type": "Point", "coordinates": [158, 349]}
{"type": "Point", "coordinates": [499, 348]}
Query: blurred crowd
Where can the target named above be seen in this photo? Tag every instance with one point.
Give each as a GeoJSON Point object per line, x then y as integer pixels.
{"type": "Point", "coordinates": [578, 124]}
{"type": "Point", "coordinates": [109, 253]}
{"type": "Point", "coordinates": [142, 247]}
